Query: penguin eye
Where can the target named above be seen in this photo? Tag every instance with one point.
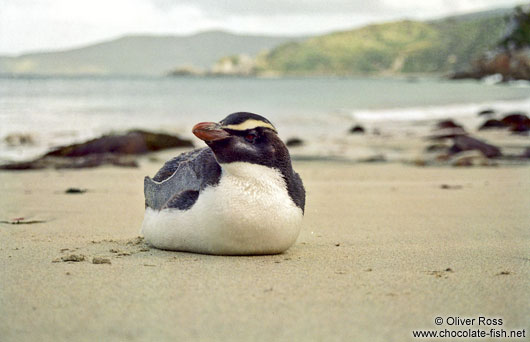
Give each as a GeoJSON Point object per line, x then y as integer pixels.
{"type": "Point", "coordinates": [250, 137]}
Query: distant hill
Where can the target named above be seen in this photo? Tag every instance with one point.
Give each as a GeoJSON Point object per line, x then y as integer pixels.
{"type": "Point", "coordinates": [402, 47]}
{"type": "Point", "coordinates": [141, 55]}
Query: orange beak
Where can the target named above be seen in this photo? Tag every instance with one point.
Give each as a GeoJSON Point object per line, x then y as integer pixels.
{"type": "Point", "coordinates": [209, 131]}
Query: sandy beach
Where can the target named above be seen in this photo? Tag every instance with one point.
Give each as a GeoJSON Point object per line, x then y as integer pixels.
{"type": "Point", "coordinates": [385, 249]}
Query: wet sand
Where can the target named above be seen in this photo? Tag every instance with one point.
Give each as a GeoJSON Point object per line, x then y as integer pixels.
{"type": "Point", "coordinates": [385, 249]}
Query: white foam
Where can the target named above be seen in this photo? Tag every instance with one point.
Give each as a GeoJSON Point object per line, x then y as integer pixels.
{"type": "Point", "coordinates": [455, 111]}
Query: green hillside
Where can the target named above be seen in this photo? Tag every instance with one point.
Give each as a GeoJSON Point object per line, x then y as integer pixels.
{"type": "Point", "coordinates": [392, 48]}
{"type": "Point", "coordinates": [141, 55]}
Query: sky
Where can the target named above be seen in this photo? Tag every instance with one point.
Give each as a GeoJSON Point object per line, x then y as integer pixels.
{"type": "Point", "coordinates": [39, 25]}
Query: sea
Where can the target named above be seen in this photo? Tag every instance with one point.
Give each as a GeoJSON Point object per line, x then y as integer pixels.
{"type": "Point", "coordinates": [55, 111]}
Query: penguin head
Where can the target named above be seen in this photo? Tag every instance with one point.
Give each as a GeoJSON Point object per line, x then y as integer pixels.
{"type": "Point", "coordinates": [244, 137]}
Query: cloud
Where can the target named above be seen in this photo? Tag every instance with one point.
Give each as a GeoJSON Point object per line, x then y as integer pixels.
{"type": "Point", "coordinates": [277, 7]}
{"type": "Point", "coordinates": [333, 7]}
{"type": "Point", "coordinates": [28, 25]}
{"type": "Point", "coordinates": [43, 24]}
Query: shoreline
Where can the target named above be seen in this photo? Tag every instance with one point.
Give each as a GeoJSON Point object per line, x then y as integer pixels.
{"type": "Point", "coordinates": [386, 132]}
{"type": "Point", "coordinates": [315, 110]}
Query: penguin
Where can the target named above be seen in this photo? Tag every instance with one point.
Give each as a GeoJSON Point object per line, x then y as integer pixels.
{"type": "Point", "coordinates": [239, 195]}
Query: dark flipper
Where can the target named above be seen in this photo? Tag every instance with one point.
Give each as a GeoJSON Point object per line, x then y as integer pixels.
{"type": "Point", "coordinates": [158, 194]}
{"type": "Point", "coordinates": [174, 186]}
{"type": "Point", "coordinates": [172, 165]}
{"type": "Point", "coordinates": [296, 190]}
{"type": "Point", "coordinates": [183, 200]}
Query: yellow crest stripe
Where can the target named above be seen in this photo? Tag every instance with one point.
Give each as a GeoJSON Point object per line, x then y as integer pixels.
{"type": "Point", "coordinates": [249, 124]}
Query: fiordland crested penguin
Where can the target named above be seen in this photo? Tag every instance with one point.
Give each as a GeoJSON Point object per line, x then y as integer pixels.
{"type": "Point", "coordinates": [238, 196]}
